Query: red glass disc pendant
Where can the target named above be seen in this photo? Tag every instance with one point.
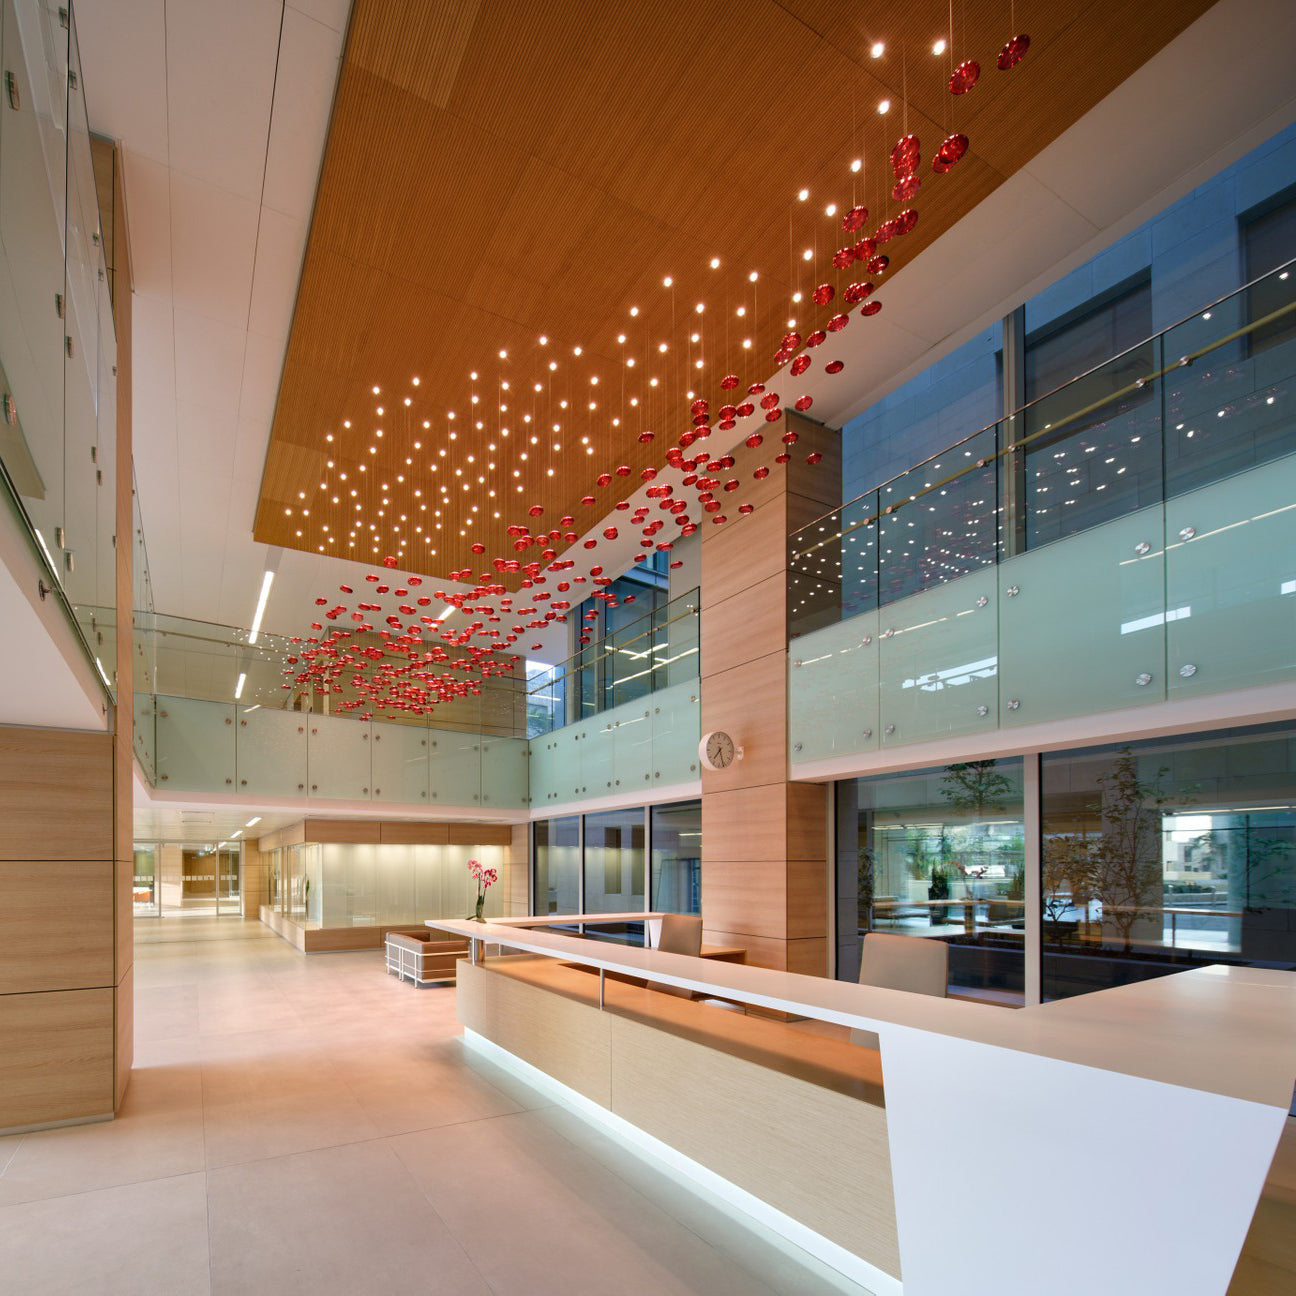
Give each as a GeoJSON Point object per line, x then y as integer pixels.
{"type": "Point", "coordinates": [816, 338]}
{"type": "Point", "coordinates": [823, 294]}
{"type": "Point", "coordinates": [857, 292]}
{"type": "Point", "coordinates": [905, 156]}
{"type": "Point", "coordinates": [878, 264]}
{"type": "Point", "coordinates": [803, 403]}
{"type": "Point", "coordinates": [870, 308]}
{"type": "Point", "coordinates": [855, 218]}
{"type": "Point", "coordinates": [799, 366]}
{"type": "Point", "coordinates": [699, 406]}
{"type": "Point", "coordinates": [729, 382]}
{"type": "Point", "coordinates": [761, 473]}
{"type": "Point", "coordinates": [791, 438]}
{"type": "Point", "coordinates": [754, 440]}
{"type": "Point", "coordinates": [773, 416]}
{"type": "Point", "coordinates": [865, 249]}
{"type": "Point", "coordinates": [835, 366]}
{"type": "Point", "coordinates": [886, 231]}
{"type": "Point", "coordinates": [814, 457]}
{"type": "Point", "coordinates": [906, 220]}
{"type": "Point", "coordinates": [837, 323]}
{"type": "Point", "coordinates": [769, 400]}
{"type": "Point", "coordinates": [843, 257]}
{"type": "Point", "coordinates": [782, 458]}
{"type": "Point", "coordinates": [966, 75]}
{"type": "Point", "coordinates": [1012, 53]}
{"type": "Point", "coordinates": [790, 343]}
{"type": "Point", "coordinates": [905, 188]}
{"type": "Point", "coordinates": [744, 509]}
{"type": "Point", "coordinates": [645, 437]}
{"type": "Point", "coordinates": [746, 410]}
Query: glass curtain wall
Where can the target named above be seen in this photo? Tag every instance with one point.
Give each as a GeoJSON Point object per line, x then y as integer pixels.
{"type": "Point", "coordinates": [596, 863]}
{"type": "Point", "coordinates": [675, 832]}
{"type": "Point", "coordinates": [940, 854]}
{"type": "Point", "coordinates": [1166, 854]}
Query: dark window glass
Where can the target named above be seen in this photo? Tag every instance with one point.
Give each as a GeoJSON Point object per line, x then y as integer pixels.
{"type": "Point", "coordinates": [1268, 242]}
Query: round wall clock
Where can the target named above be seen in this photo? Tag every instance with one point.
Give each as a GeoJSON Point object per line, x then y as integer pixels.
{"type": "Point", "coordinates": [716, 750]}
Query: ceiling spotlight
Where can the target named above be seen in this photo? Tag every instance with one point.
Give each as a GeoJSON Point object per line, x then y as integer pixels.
{"type": "Point", "coordinates": [884, 107]}
{"type": "Point", "coordinates": [830, 210]}
{"type": "Point", "coordinates": [666, 283]}
{"type": "Point", "coordinates": [939, 48]}
{"type": "Point", "coordinates": [808, 254]}
{"type": "Point", "coordinates": [803, 195]}
{"type": "Point", "coordinates": [715, 263]}
{"type": "Point", "coordinates": [857, 165]}
{"type": "Point", "coordinates": [753, 276]}
{"type": "Point", "coordinates": [877, 49]}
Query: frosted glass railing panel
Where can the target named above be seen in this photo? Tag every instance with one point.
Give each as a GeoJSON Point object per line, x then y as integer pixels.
{"type": "Point", "coordinates": [543, 771]}
{"type": "Point", "coordinates": [454, 768]}
{"type": "Point", "coordinates": [195, 745]}
{"type": "Point", "coordinates": [145, 730]}
{"type": "Point", "coordinates": [833, 690]}
{"type": "Point", "coordinates": [629, 732]}
{"type": "Point", "coordinates": [938, 662]}
{"type": "Point", "coordinates": [676, 723]}
{"type": "Point", "coordinates": [33, 170]}
{"type": "Point", "coordinates": [271, 751]}
{"type": "Point", "coordinates": [583, 766]}
{"type": "Point", "coordinates": [399, 763]}
{"type": "Point", "coordinates": [1231, 578]}
{"type": "Point", "coordinates": [338, 758]}
{"type": "Point", "coordinates": [504, 773]}
{"type": "Point", "coordinates": [1082, 622]}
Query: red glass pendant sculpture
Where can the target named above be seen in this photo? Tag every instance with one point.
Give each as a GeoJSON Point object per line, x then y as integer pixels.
{"type": "Point", "coordinates": [906, 155]}
{"type": "Point", "coordinates": [855, 219]}
{"type": "Point", "coordinates": [1012, 53]}
{"type": "Point", "coordinates": [965, 76]}
{"type": "Point", "coordinates": [905, 188]}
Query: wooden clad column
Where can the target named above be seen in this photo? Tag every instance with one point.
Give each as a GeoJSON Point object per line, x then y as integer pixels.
{"type": "Point", "coordinates": [764, 839]}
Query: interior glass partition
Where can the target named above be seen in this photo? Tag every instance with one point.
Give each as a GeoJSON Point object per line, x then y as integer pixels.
{"type": "Point", "coordinates": [556, 854]}
{"type": "Point", "coordinates": [675, 832]}
{"type": "Point", "coordinates": [614, 861]}
{"type": "Point", "coordinates": [939, 854]}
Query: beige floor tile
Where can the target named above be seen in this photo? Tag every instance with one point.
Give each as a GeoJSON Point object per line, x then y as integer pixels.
{"type": "Point", "coordinates": [8, 1149]}
{"type": "Point", "coordinates": [157, 1135]}
{"type": "Point", "coordinates": [130, 1241]}
{"type": "Point", "coordinates": [342, 1220]}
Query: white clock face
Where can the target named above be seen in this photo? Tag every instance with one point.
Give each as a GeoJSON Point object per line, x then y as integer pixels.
{"type": "Point", "coordinates": [718, 750]}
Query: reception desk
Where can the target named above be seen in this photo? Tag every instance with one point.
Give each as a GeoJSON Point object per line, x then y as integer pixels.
{"type": "Point", "coordinates": [1119, 1140]}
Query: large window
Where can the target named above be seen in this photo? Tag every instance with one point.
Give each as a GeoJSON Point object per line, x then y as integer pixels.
{"type": "Point", "coordinates": [676, 834]}
{"type": "Point", "coordinates": [1268, 242]}
{"type": "Point", "coordinates": [557, 866]}
{"type": "Point", "coordinates": [1167, 854]}
{"type": "Point", "coordinates": [940, 854]}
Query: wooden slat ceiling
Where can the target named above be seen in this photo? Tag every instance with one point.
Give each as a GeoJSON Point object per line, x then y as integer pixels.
{"type": "Point", "coordinates": [506, 171]}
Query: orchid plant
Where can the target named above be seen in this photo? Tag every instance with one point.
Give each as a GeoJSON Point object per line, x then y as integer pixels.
{"type": "Point", "coordinates": [485, 877]}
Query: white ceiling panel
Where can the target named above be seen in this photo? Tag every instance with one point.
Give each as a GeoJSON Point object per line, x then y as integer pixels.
{"type": "Point", "coordinates": [332, 13]}
{"type": "Point", "coordinates": [262, 366]}
{"type": "Point", "coordinates": [206, 440]}
{"type": "Point", "coordinates": [308, 66]}
{"type": "Point", "coordinates": [148, 205]}
{"type": "Point", "coordinates": [209, 362]}
{"type": "Point", "coordinates": [123, 57]}
{"type": "Point", "coordinates": [281, 244]}
{"type": "Point", "coordinates": [220, 72]}
{"type": "Point", "coordinates": [153, 370]}
{"type": "Point", "coordinates": [249, 460]}
{"type": "Point", "coordinates": [213, 248]}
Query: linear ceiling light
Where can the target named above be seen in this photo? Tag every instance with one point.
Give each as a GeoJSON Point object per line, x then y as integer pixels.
{"type": "Point", "coordinates": [238, 688]}
{"type": "Point", "coordinates": [266, 582]}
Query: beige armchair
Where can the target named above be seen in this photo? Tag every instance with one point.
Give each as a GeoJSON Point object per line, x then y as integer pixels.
{"type": "Point", "coordinates": [917, 964]}
{"type": "Point", "coordinates": [680, 934]}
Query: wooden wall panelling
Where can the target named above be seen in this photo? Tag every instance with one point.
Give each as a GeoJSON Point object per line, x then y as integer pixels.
{"type": "Point", "coordinates": [56, 794]}
{"type": "Point", "coordinates": [564, 1038]}
{"type": "Point", "coordinates": [123, 1035]}
{"type": "Point", "coordinates": [748, 624]}
{"type": "Point", "coordinates": [413, 834]}
{"type": "Point", "coordinates": [749, 702]}
{"type": "Point", "coordinates": [56, 1056]}
{"type": "Point", "coordinates": [56, 925]}
{"type": "Point", "coordinates": [462, 834]}
{"type": "Point", "coordinates": [813, 1153]}
{"type": "Point", "coordinates": [357, 831]}
{"type": "Point", "coordinates": [745, 551]}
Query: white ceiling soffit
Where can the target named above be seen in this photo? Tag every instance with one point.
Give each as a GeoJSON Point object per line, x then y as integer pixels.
{"type": "Point", "coordinates": [223, 112]}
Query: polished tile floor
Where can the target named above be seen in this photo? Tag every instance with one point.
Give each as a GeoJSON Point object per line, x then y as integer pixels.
{"type": "Point", "coordinates": [312, 1125]}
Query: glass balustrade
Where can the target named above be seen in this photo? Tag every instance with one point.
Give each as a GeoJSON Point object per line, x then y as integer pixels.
{"type": "Point", "coordinates": [1206, 400]}
{"type": "Point", "coordinates": [58, 363]}
{"type": "Point", "coordinates": [653, 653]}
{"type": "Point", "coordinates": [1125, 540]}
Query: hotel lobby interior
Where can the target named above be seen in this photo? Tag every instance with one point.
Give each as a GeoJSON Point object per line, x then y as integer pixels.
{"type": "Point", "coordinates": [651, 648]}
